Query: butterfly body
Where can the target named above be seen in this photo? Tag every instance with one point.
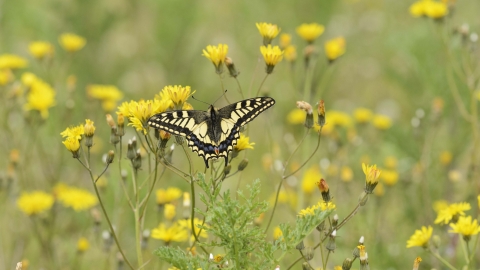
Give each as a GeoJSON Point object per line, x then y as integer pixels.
{"type": "Point", "coordinates": [212, 133]}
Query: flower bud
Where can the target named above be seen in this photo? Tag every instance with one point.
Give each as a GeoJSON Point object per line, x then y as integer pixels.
{"type": "Point", "coordinates": [137, 161]}
{"type": "Point", "coordinates": [324, 189]}
{"type": "Point", "coordinates": [306, 266]}
{"type": "Point", "coordinates": [320, 227]}
{"type": "Point", "coordinates": [145, 237]}
{"type": "Point", "coordinates": [89, 128]}
{"type": "Point", "coordinates": [308, 253]}
{"type": "Point", "coordinates": [231, 67]}
{"type": "Point", "coordinates": [308, 109]}
{"type": "Point", "coordinates": [331, 245]}
{"type": "Point", "coordinates": [243, 164]}
{"type": "Point", "coordinates": [114, 139]}
{"type": "Point", "coordinates": [110, 121]}
{"type": "Point", "coordinates": [179, 139]}
{"type": "Point", "coordinates": [347, 264]}
{"type": "Point", "coordinates": [132, 149]}
{"type": "Point", "coordinates": [335, 221]}
{"type": "Point", "coordinates": [300, 246]}
{"type": "Point", "coordinates": [321, 113]}
{"type": "Point", "coordinates": [121, 125]}
{"type": "Point", "coordinates": [110, 157]}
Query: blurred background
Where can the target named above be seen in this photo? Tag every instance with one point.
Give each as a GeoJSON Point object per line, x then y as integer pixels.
{"type": "Point", "coordinates": [396, 66]}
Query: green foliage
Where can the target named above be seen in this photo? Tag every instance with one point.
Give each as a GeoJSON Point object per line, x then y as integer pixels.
{"type": "Point", "coordinates": [182, 259]}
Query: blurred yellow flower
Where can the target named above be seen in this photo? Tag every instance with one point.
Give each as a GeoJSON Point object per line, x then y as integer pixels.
{"type": "Point", "coordinates": [285, 40]}
{"type": "Point", "coordinates": [289, 198]}
{"type": "Point", "coordinates": [296, 117]}
{"type": "Point", "coordinates": [362, 115]}
{"type": "Point", "coordinates": [243, 143]}
{"type": "Point", "coordinates": [465, 226]}
{"type": "Point", "coordinates": [420, 238]}
{"type": "Point", "coordinates": [310, 31]}
{"type": "Point", "coordinates": [187, 224]}
{"type": "Point", "coordinates": [452, 213]}
{"type": "Point", "coordinates": [28, 78]}
{"type": "Point", "coordinates": [168, 195]}
{"type": "Point", "coordinates": [436, 10]}
{"type": "Point", "coordinates": [177, 94]}
{"type": "Point", "coordinates": [41, 49]}
{"type": "Point", "coordinates": [379, 190]}
{"type": "Point", "coordinates": [139, 112]}
{"type": "Point", "coordinates": [107, 94]}
{"type": "Point", "coordinates": [41, 97]}
{"type": "Point", "coordinates": [335, 48]}
{"type": "Point", "coordinates": [268, 31]}
{"type": "Point", "coordinates": [382, 122]}
{"type": "Point", "coordinates": [169, 211]}
{"type": "Point", "coordinates": [12, 61]}
{"type": "Point", "coordinates": [389, 177]}
{"type": "Point", "coordinates": [439, 205]}
{"type": "Point", "coordinates": [391, 162]}
{"type": "Point", "coordinates": [217, 55]}
{"type": "Point", "coordinates": [346, 174]}
{"type": "Point", "coordinates": [454, 175]}
{"type": "Point", "coordinates": [71, 42]}
{"type": "Point", "coordinates": [174, 233]}
{"type": "Point", "coordinates": [446, 158]}
{"type": "Point", "coordinates": [290, 53]}
{"type": "Point", "coordinates": [35, 202]}
{"type": "Point", "coordinates": [277, 233]}
{"type": "Point", "coordinates": [272, 56]}
{"type": "Point", "coordinates": [6, 76]}
{"type": "Point", "coordinates": [338, 118]}
{"type": "Point", "coordinates": [311, 176]}
{"type": "Point", "coordinates": [77, 198]}
{"type": "Point", "coordinates": [82, 244]}
{"type": "Point", "coordinates": [418, 9]}
{"type": "Point", "coordinates": [311, 210]}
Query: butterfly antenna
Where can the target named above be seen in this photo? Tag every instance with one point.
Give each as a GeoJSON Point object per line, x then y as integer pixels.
{"type": "Point", "coordinates": [213, 102]}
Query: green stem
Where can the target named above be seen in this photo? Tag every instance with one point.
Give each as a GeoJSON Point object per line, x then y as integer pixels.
{"type": "Point", "coordinates": [192, 217]}
{"type": "Point", "coordinates": [239, 88]}
{"type": "Point", "coordinates": [308, 159]}
{"type": "Point", "coordinates": [261, 84]}
{"type": "Point", "coordinates": [442, 260]}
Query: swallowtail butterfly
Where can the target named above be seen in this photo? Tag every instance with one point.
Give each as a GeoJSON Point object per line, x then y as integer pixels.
{"type": "Point", "coordinates": [213, 133]}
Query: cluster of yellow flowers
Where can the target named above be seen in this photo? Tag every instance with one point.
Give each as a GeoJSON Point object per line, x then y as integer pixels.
{"type": "Point", "coordinates": [75, 134]}
{"type": "Point", "coordinates": [109, 95]}
{"type": "Point", "coordinates": [454, 215]}
{"type": "Point", "coordinates": [40, 96]}
{"type": "Point", "coordinates": [429, 8]}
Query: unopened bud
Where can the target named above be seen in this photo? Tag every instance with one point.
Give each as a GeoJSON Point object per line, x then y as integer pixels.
{"type": "Point", "coordinates": [145, 237]}
{"type": "Point", "coordinates": [179, 139]}
{"type": "Point", "coordinates": [243, 164]}
{"type": "Point", "coordinates": [110, 157]}
{"type": "Point", "coordinates": [114, 139]}
{"type": "Point", "coordinates": [335, 220]}
{"type": "Point", "coordinates": [227, 170]}
{"type": "Point", "coordinates": [306, 266]}
{"type": "Point", "coordinates": [121, 125]}
{"type": "Point", "coordinates": [331, 245]}
{"type": "Point", "coordinates": [231, 67]}
{"type": "Point", "coordinates": [308, 253]}
{"type": "Point", "coordinates": [324, 189]}
{"type": "Point", "coordinates": [137, 161]}
{"type": "Point", "coordinates": [300, 246]}
{"type": "Point", "coordinates": [347, 264]}
{"type": "Point", "coordinates": [131, 148]}
{"type": "Point", "coordinates": [110, 121]}
{"type": "Point", "coordinates": [321, 113]}
{"type": "Point", "coordinates": [320, 227]}
{"type": "Point", "coordinates": [305, 106]}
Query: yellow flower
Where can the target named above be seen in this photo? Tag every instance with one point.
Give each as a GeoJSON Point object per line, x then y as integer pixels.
{"type": "Point", "coordinates": [436, 10]}
{"type": "Point", "coordinates": [272, 56]}
{"type": "Point", "coordinates": [289, 198]}
{"type": "Point", "coordinates": [439, 205]}
{"type": "Point", "coordinates": [466, 227]}
{"type": "Point", "coordinates": [77, 198]}
{"type": "Point", "coordinates": [296, 117]}
{"type": "Point", "coordinates": [346, 174]}
{"type": "Point", "coordinates": [338, 118]}
{"type": "Point", "coordinates": [446, 157]}
{"type": "Point", "coordinates": [139, 112]}
{"type": "Point", "coordinates": [335, 48]}
{"type": "Point", "coordinates": [174, 233]}
{"type": "Point", "coordinates": [290, 53]}
{"type": "Point", "coordinates": [371, 177]}
{"type": "Point", "coordinates": [89, 128]}
{"type": "Point", "coordinates": [12, 61]}
{"type": "Point", "coordinates": [71, 42]}
{"type": "Point", "coordinates": [285, 40]}
{"type": "Point", "coordinates": [310, 31]}
{"type": "Point", "coordinates": [177, 94]}
{"type": "Point", "coordinates": [416, 263]}
{"type": "Point", "coordinates": [452, 212]}
{"type": "Point", "coordinates": [420, 238]}
{"type": "Point", "coordinates": [389, 177]}
{"type": "Point", "coordinates": [107, 94]}
{"type": "Point", "coordinates": [217, 55]}
{"type": "Point", "coordinates": [35, 202]}
{"type": "Point", "coordinates": [28, 78]}
{"type": "Point", "coordinates": [187, 224]}
{"type": "Point", "coordinates": [82, 244]}
{"type": "Point", "coordinates": [41, 49]}
{"type": "Point", "coordinates": [74, 132]}
{"type": "Point", "coordinates": [320, 205]}
{"type": "Point", "coordinates": [310, 178]}
{"type": "Point", "coordinates": [169, 211]}
{"type": "Point", "coordinates": [362, 115]}
{"type": "Point", "coordinates": [382, 122]}
{"type": "Point", "coordinates": [243, 143]}
{"type": "Point", "coordinates": [418, 9]}
{"type": "Point", "coordinates": [268, 31]}
{"type": "Point", "coordinates": [277, 233]}
{"type": "Point", "coordinates": [168, 195]}
{"type": "Point", "coordinates": [6, 76]}
{"type": "Point", "coordinates": [72, 144]}
{"type": "Point", "coordinates": [41, 97]}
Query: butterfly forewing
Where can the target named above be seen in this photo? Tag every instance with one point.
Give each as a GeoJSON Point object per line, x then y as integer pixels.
{"type": "Point", "coordinates": [212, 134]}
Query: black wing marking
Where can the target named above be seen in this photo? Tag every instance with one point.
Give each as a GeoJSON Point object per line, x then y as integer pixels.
{"type": "Point", "coordinates": [242, 112]}
{"type": "Point", "coordinates": [179, 122]}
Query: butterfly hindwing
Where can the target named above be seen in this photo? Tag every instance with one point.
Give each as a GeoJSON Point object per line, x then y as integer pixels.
{"type": "Point", "coordinates": [212, 134]}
